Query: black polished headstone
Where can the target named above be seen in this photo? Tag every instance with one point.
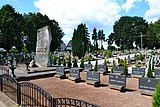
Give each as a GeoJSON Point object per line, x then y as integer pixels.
{"type": "Point", "coordinates": [75, 73]}
{"type": "Point", "coordinates": [157, 73]}
{"type": "Point", "coordinates": [101, 68]}
{"type": "Point", "coordinates": [60, 71]}
{"type": "Point", "coordinates": [138, 71]}
{"type": "Point", "coordinates": [118, 69]}
{"type": "Point", "coordinates": [148, 83]}
{"type": "Point", "coordinates": [93, 76]}
{"type": "Point", "coordinates": [88, 67]}
{"type": "Point", "coordinates": [119, 80]}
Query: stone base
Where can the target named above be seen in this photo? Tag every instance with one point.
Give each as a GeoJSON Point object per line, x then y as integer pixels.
{"type": "Point", "coordinates": [136, 76]}
{"type": "Point", "coordinates": [60, 76]}
{"type": "Point", "coordinates": [146, 92]}
{"type": "Point", "coordinates": [96, 84]}
{"type": "Point", "coordinates": [74, 79]}
{"type": "Point", "coordinates": [116, 87]}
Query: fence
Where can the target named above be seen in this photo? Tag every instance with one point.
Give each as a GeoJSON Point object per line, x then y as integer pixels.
{"type": "Point", "coordinates": [28, 94]}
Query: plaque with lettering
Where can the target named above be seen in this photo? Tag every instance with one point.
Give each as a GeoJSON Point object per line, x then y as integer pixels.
{"type": "Point", "coordinates": [138, 71]}
{"type": "Point", "coordinates": [119, 80]}
{"type": "Point", "coordinates": [157, 73]}
{"type": "Point", "coordinates": [60, 71]}
{"type": "Point", "coordinates": [75, 73]}
{"type": "Point", "coordinates": [93, 76]}
{"type": "Point", "coordinates": [101, 68]}
{"type": "Point", "coordinates": [118, 69]}
{"type": "Point", "coordinates": [148, 83]}
{"type": "Point", "coordinates": [88, 67]}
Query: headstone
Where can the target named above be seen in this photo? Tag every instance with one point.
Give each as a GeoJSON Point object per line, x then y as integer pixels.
{"type": "Point", "coordinates": [102, 69]}
{"type": "Point", "coordinates": [147, 85]}
{"type": "Point", "coordinates": [138, 71]}
{"type": "Point", "coordinates": [75, 73]}
{"type": "Point", "coordinates": [88, 67]}
{"type": "Point", "coordinates": [44, 39]}
{"type": "Point", "coordinates": [157, 73]}
{"type": "Point", "coordinates": [118, 69]}
{"type": "Point", "coordinates": [93, 78]}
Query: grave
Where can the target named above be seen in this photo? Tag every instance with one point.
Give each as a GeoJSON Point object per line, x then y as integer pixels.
{"type": "Point", "coordinates": [118, 69]}
{"type": "Point", "coordinates": [60, 72]}
{"type": "Point", "coordinates": [117, 82]}
{"type": "Point", "coordinates": [157, 73]}
{"type": "Point", "coordinates": [93, 78]}
{"type": "Point", "coordinates": [138, 72]}
{"type": "Point", "coordinates": [87, 67]}
{"type": "Point", "coordinates": [44, 39]}
{"type": "Point", "coordinates": [74, 74]}
{"type": "Point", "coordinates": [102, 69]}
{"type": "Point", "coordinates": [147, 86]}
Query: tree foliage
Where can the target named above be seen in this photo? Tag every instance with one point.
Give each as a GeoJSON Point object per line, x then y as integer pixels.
{"type": "Point", "coordinates": [127, 30]}
{"type": "Point", "coordinates": [149, 73]}
{"type": "Point", "coordinates": [80, 40]}
{"type": "Point", "coordinates": [156, 96]}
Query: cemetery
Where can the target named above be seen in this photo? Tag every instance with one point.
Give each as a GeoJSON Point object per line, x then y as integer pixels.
{"type": "Point", "coordinates": [44, 72]}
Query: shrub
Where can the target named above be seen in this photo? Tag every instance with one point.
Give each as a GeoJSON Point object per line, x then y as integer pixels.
{"type": "Point", "coordinates": [95, 66]}
{"type": "Point", "coordinates": [64, 62]}
{"type": "Point", "coordinates": [121, 62]}
{"type": "Point", "coordinates": [55, 60]}
{"type": "Point", "coordinates": [105, 64]}
{"type": "Point", "coordinates": [69, 61]}
{"type": "Point", "coordinates": [149, 73]}
{"type": "Point", "coordinates": [82, 63]}
{"type": "Point", "coordinates": [113, 65]}
{"type": "Point", "coordinates": [89, 60]}
{"type": "Point", "coordinates": [59, 61]}
{"type": "Point", "coordinates": [75, 62]}
{"type": "Point", "coordinates": [140, 57]}
{"type": "Point", "coordinates": [125, 72]}
{"type": "Point", "coordinates": [156, 96]}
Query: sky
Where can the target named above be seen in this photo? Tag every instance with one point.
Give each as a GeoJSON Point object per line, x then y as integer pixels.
{"type": "Point", "coordinates": [99, 14]}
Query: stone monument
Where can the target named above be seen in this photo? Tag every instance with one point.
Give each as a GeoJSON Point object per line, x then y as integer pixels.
{"type": "Point", "coordinates": [44, 39]}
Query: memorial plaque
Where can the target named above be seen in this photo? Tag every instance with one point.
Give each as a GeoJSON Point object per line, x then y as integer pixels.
{"type": "Point", "coordinates": [148, 83]}
{"type": "Point", "coordinates": [118, 69]}
{"type": "Point", "coordinates": [60, 71]}
{"type": "Point", "coordinates": [75, 73]}
{"type": "Point", "coordinates": [157, 73]}
{"type": "Point", "coordinates": [93, 76]}
{"type": "Point", "coordinates": [119, 80]}
{"type": "Point", "coordinates": [138, 71]}
{"type": "Point", "coordinates": [88, 67]}
{"type": "Point", "coordinates": [44, 39]}
{"type": "Point", "coordinates": [101, 68]}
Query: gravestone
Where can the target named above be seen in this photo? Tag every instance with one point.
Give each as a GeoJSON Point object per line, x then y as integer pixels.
{"type": "Point", "coordinates": [60, 72]}
{"type": "Point", "coordinates": [44, 39]}
{"type": "Point", "coordinates": [74, 74]}
{"type": "Point", "coordinates": [88, 67]}
{"type": "Point", "coordinates": [147, 85]}
{"type": "Point", "coordinates": [157, 73]}
{"type": "Point", "coordinates": [138, 72]}
{"type": "Point", "coordinates": [102, 69]}
{"type": "Point", "coordinates": [118, 69]}
{"type": "Point", "coordinates": [117, 81]}
{"type": "Point", "coordinates": [93, 78]}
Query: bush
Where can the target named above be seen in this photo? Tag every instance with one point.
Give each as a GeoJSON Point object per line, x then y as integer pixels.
{"type": "Point", "coordinates": [95, 66]}
{"type": "Point", "coordinates": [156, 96]}
{"type": "Point", "coordinates": [89, 60]}
{"type": "Point", "coordinates": [69, 61]}
{"type": "Point", "coordinates": [120, 62]}
{"type": "Point", "coordinates": [140, 57]}
{"type": "Point", "coordinates": [82, 63]}
{"type": "Point", "coordinates": [75, 62]}
{"type": "Point", "coordinates": [149, 73]}
{"type": "Point", "coordinates": [55, 60]}
{"type": "Point", "coordinates": [113, 65]}
{"type": "Point", "coordinates": [105, 64]}
{"type": "Point", "coordinates": [64, 62]}
{"type": "Point", "coordinates": [59, 61]}
{"type": "Point", "coordinates": [108, 53]}
{"type": "Point", "coordinates": [125, 72]}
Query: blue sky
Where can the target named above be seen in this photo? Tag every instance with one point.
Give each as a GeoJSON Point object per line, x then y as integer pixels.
{"type": "Point", "coordinates": [100, 14]}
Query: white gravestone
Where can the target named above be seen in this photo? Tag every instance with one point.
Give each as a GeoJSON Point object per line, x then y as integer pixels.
{"type": "Point", "coordinates": [44, 39]}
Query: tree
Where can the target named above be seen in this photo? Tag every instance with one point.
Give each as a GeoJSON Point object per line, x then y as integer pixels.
{"type": "Point", "coordinates": [95, 38]}
{"type": "Point", "coordinates": [105, 64]}
{"type": "Point", "coordinates": [125, 72]}
{"type": "Point", "coordinates": [149, 73]}
{"type": "Point", "coordinates": [54, 60]}
{"type": "Point", "coordinates": [64, 62]}
{"type": "Point", "coordinates": [95, 66]}
{"type": "Point", "coordinates": [156, 96]}
{"type": "Point", "coordinates": [101, 37]}
{"type": "Point", "coordinates": [75, 62]}
{"type": "Point", "coordinates": [59, 61]}
{"type": "Point", "coordinates": [80, 41]}
{"type": "Point", "coordinates": [113, 65]}
{"type": "Point", "coordinates": [69, 61]}
{"type": "Point", "coordinates": [127, 30]}
{"type": "Point", "coordinates": [82, 63]}
{"type": "Point", "coordinates": [11, 27]}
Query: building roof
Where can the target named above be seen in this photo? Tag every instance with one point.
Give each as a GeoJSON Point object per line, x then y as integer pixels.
{"type": "Point", "coordinates": [69, 43]}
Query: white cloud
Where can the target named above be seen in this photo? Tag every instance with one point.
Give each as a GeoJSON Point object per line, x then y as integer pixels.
{"type": "Point", "coordinates": [129, 4]}
{"type": "Point", "coordinates": [70, 13]}
{"type": "Point", "coordinates": [154, 10]}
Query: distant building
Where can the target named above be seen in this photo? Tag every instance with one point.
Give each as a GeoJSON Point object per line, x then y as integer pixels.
{"type": "Point", "coordinates": [62, 46]}
{"type": "Point", "coordinates": [69, 46]}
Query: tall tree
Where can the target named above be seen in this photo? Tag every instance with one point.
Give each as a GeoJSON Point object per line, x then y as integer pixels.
{"type": "Point", "coordinates": [127, 30]}
{"type": "Point", "coordinates": [11, 27]}
{"type": "Point", "coordinates": [95, 38]}
{"type": "Point", "coordinates": [101, 37]}
{"type": "Point", "coordinates": [80, 40]}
